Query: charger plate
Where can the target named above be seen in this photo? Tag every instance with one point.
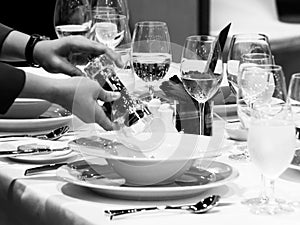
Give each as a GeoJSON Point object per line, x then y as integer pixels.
{"type": "Point", "coordinates": [202, 176]}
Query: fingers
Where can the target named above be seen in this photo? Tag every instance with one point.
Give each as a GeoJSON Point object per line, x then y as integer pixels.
{"type": "Point", "coordinates": [115, 57]}
{"type": "Point", "coordinates": [81, 44]}
{"type": "Point", "coordinates": [102, 120]}
{"type": "Point", "coordinates": [68, 68]}
{"type": "Point", "coordinates": [108, 96]}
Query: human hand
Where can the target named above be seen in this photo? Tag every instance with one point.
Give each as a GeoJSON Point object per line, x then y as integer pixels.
{"type": "Point", "coordinates": [53, 55]}
{"type": "Point", "coordinates": [79, 95]}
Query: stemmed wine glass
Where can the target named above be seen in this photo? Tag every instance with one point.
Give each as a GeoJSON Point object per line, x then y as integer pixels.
{"type": "Point", "coordinates": [199, 79]}
{"type": "Point", "coordinates": [241, 44]}
{"type": "Point", "coordinates": [151, 52]}
{"type": "Point", "coordinates": [294, 100]}
{"type": "Point", "coordinates": [246, 59]}
{"type": "Point", "coordinates": [109, 29]}
{"type": "Point", "coordinates": [72, 17]}
{"type": "Point", "coordinates": [271, 138]}
{"type": "Point", "coordinates": [112, 6]}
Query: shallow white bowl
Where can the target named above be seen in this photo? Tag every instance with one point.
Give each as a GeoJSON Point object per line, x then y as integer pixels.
{"type": "Point", "coordinates": [161, 162]}
{"type": "Point", "coordinates": [26, 108]}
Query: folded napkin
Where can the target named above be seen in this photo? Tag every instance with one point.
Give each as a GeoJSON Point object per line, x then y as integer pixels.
{"type": "Point", "coordinates": [174, 89]}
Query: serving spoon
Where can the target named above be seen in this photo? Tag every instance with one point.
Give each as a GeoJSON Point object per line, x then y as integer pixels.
{"type": "Point", "coordinates": [52, 135]}
{"type": "Point", "coordinates": [202, 206]}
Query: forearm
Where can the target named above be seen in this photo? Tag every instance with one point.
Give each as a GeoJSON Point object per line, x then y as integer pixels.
{"type": "Point", "coordinates": [41, 87]}
{"type": "Point", "coordinates": [14, 46]}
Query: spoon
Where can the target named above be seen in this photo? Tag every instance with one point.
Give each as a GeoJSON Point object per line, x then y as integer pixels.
{"type": "Point", "coordinates": [202, 206]}
{"type": "Point", "coordinates": [52, 135]}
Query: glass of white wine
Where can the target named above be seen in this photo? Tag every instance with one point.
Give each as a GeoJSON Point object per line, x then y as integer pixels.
{"type": "Point", "coordinates": [199, 79]}
{"type": "Point", "coordinates": [151, 53]}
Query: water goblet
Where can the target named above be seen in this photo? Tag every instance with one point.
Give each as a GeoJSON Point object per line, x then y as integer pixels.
{"type": "Point", "coordinates": [151, 53]}
{"type": "Point", "coordinates": [201, 83]}
{"type": "Point", "coordinates": [271, 134]}
{"type": "Point", "coordinates": [271, 143]}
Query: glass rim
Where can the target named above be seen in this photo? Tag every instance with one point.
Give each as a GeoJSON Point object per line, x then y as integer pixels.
{"type": "Point", "coordinates": [295, 75]}
{"type": "Point", "coordinates": [151, 23]}
{"type": "Point", "coordinates": [111, 16]}
{"type": "Point", "coordinates": [247, 35]}
{"type": "Point", "coordinates": [266, 66]}
{"type": "Point", "coordinates": [207, 38]}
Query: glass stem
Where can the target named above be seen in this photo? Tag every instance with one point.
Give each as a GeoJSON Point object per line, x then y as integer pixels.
{"type": "Point", "coordinates": [201, 118]}
{"type": "Point", "coordinates": [263, 194]}
{"type": "Point", "coordinates": [151, 91]}
{"type": "Point", "coordinates": [269, 190]}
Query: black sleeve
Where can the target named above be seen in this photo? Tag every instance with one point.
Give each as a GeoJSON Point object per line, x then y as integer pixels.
{"type": "Point", "coordinates": [12, 81]}
{"type": "Point", "coordinates": [4, 31]}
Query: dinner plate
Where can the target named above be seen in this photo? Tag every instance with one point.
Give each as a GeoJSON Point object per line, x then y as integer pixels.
{"type": "Point", "coordinates": [196, 180]}
{"type": "Point", "coordinates": [53, 157]}
{"type": "Point", "coordinates": [51, 119]}
{"type": "Point", "coordinates": [26, 108]}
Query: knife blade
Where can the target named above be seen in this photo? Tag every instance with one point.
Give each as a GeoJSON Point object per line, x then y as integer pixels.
{"type": "Point", "coordinates": [77, 165]}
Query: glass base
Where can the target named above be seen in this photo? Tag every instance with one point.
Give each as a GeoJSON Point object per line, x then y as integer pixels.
{"type": "Point", "coordinates": [254, 201]}
{"type": "Point", "coordinates": [244, 156]}
{"type": "Point", "coordinates": [241, 154]}
{"type": "Point", "coordinates": [272, 209]}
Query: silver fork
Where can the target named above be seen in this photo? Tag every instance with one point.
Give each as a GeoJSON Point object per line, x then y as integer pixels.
{"type": "Point", "coordinates": [52, 135]}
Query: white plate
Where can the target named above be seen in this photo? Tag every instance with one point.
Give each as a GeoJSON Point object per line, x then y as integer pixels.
{"type": "Point", "coordinates": [26, 108]}
{"type": "Point", "coordinates": [225, 110]}
{"type": "Point", "coordinates": [53, 120]}
{"type": "Point", "coordinates": [54, 157]}
{"type": "Point", "coordinates": [224, 174]}
{"type": "Point", "coordinates": [235, 132]}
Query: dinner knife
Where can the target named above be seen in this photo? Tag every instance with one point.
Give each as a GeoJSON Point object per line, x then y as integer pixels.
{"type": "Point", "coordinates": [38, 169]}
{"type": "Point", "coordinates": [25, 150]}
{"type": "Point", "coordinates": [77, 165]}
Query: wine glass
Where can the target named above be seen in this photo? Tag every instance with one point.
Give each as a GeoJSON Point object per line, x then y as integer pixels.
{"type": "Point", "coordinates": [241, 44]}
{"type": "Point", "coordinates": [294, 100]}
{"type": "Point", "coordinates": [111, 6]}
{"type": "Point", "coordinates": [109, 29]}
{"type": "Point", "coordinates": [151, 53]}
{"type": "Point", "coordinates": [72, 17]}
{"type": "Point", "coordinates": [271, 138]}
{"type": "Point", "coordinates": [199, 79]}
{"type": "Point", "coordinates": [248, 59]}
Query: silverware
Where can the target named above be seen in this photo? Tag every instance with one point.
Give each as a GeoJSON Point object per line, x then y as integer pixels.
{"type": "Point", "coordinates": [82, 166]}
{"type": "Point", "coordinates": [202, 206]}
{"type": "Point", "coordinates": [31, 149]}
{"type": "Point", "coordinates": [52, 135]}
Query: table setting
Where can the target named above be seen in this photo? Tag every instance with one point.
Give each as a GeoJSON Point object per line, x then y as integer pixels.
{"type": "Point", "coordinates": [204, 140]}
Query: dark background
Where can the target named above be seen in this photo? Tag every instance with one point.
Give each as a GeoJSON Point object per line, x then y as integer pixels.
{"type": "Point", "coordinates": [36, 16]}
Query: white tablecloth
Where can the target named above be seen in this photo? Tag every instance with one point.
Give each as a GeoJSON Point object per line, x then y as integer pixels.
{"type": "Point", "coordinates": [49, 200]}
